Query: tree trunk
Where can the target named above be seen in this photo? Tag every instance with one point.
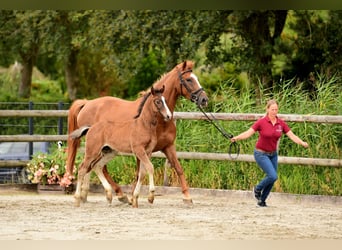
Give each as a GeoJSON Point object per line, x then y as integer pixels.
{"type": "Point", "coordinates": [258, 34]}
{"type": "Point", "coordinates": [26, 77]}
{"type": "Point", "coordinates": [71, 76]}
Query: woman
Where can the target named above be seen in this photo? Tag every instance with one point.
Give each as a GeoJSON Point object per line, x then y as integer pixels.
{"type": "Point", "coordinates": [270, 129]}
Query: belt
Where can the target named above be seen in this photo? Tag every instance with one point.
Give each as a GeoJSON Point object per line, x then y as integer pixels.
{"type": "Point", "coordinates": [265, 152]}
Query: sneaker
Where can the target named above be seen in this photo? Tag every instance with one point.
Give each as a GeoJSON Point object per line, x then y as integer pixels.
{"type": "Point", "coordinates": [262, 204]}
{"type": "Point", "coordinates": [257, 194]}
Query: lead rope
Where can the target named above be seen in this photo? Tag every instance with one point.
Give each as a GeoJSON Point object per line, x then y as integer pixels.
{"type": "Point", "coordinates": [233, 146]}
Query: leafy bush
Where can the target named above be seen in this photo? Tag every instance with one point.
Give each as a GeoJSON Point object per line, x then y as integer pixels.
{"type": "Point", "coordinates": [50, 168]}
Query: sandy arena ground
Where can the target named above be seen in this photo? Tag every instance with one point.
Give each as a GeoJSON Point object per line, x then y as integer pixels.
{"type": "Point", "coordinates": [214, 215]}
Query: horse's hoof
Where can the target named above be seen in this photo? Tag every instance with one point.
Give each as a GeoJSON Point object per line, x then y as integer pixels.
{"type": "Point", "coordinates": [124, 199]}
{"type": "Point", "coordinates": [135, 204]}
{"type": "Point", "coordinates": [77, 203]}
{"type": "Point", "coordinates": [109, 201]}
{"type": "Point", "coordinates": [188, 201]}
{"type": "Point", "coordinates": [84, 199]}
{"type": "Point", "coordinates": [150, 197]}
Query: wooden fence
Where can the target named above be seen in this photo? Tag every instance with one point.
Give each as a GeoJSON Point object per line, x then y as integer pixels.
{"type": "Point", "coordinates": [187, 116]}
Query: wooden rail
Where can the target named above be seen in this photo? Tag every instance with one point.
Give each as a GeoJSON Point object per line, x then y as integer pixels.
{"type": "Point", "coordinates": [337, 119]}
{"type": "Point", "coordinates": [187, 116]}
{"type": "Point", "coordinates": [223, 157]}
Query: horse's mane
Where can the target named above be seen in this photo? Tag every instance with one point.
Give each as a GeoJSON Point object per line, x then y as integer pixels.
{"type": "Point", "coordinates": [142, 103]}
{"type": "Point", "coordinates": [143, 92]}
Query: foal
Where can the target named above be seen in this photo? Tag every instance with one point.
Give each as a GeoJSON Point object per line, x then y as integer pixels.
{"type": "Point", "coordinates": [138, 136]}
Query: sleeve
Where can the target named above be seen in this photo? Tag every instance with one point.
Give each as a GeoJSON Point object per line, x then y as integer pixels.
{"type": "Point", "coordinates": [286, 127]}
{"type": "Point", "coordinates": [256, 125]}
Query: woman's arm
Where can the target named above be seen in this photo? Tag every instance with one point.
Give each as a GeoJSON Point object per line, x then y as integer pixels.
{"type": "Point", "coordinates": [296, 139]}
{"type": "Point", "coordinates": [244, 135]}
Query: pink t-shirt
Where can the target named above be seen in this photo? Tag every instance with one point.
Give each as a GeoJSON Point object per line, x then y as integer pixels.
{"type": "Point", "coordinates": [269, 134]}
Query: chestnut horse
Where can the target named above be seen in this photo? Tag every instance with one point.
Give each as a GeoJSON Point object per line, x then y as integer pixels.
{"type": "Point", "coordinates": [105, 139]}
{"type": "Point", "coordinates": [180, 81]}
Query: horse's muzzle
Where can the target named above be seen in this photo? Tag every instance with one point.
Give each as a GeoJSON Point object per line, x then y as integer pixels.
{"type": "Point", "coordinates": [167, 118]}
{"type": "Point", "coordinates": [202, 100]}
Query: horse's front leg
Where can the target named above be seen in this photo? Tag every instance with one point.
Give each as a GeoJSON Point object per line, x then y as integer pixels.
{"type": "Point", "coordinates": [108, 189]}
{"type": "Point", "coordinates": [151, 187]}
{"type": "Point", "coordinates": [137, 186]}
{"type": "Point", "coordinates": [148, 166]}
{"type": "Point", "coordinates": [137, 171]}
{"type": "Point", "coordinates": [171, 155]}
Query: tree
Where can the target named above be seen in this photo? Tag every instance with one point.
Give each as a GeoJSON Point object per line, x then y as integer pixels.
{"type": "Point", "coordinates": [130, 38]}
{"type": "Point", "coordinates": [21, 34]}
{"type": "Point", "coordinates": [316, 46]}
{"type": "Point", "coordinates": [256, 35]}
{"type": "Point", "coordinates": [70, 39]}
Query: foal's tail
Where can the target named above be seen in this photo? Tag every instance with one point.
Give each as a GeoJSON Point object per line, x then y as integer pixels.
{"type": "Point", "coordinates": [72, 145]}
{"type": "Point", "coordinates": [78, 133]}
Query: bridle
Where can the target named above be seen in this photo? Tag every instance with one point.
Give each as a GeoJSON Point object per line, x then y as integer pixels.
{"type": "Point", "coordinates": [194, 96]}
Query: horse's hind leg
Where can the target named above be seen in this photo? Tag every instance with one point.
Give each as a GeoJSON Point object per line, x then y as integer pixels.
{"type": "Point", "coordinates": [85, 187]}
{"type": "Point", "coordinates": [108, 189]}
{"type": "Point", "coordinates": [121, 196]}
{"type": "Point", "coordinates": [81, 173]}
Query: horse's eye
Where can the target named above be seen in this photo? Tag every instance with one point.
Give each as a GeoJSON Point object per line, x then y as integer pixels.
{"type": "Point", "coordinates": [189, 80]}
{"type": "Point", "coordinates": [158, 102]}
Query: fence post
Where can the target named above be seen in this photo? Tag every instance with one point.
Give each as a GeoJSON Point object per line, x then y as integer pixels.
{"type": "Point", "coordinates": [60, 119]}
{"type": "Point", "coordinates": [30, 151]}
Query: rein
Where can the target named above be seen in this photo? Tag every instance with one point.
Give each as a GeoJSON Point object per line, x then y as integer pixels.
{"type": "Point", "coordinates": [233, 146]}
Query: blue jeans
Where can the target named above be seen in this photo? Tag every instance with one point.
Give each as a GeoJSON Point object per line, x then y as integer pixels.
{"type": "Point", "coordinates": [268, 162]}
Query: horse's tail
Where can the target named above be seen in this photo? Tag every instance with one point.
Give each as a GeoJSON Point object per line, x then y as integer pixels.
{"type": "Point", "coordinates": [78, 133]}
{"type": "Point", "coordinates": [73, 144]}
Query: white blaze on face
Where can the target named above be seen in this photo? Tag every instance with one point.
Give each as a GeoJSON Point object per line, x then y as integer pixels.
{"type": "Point", "coordinates": [169, 114]}
{"type": "Point", "coordinates": [196, 79]}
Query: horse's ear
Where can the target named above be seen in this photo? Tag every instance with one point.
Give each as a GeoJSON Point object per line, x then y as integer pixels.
{"type": "Point", "coordinates": [184, 66]}
{"type": "Point", "coordinates": [187, 65]}
{"type": "Point", "coordinates": [153, 91]}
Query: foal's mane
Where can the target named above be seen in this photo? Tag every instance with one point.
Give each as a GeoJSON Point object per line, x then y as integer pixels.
{"type": "Point", "coordinates": [141, 105]}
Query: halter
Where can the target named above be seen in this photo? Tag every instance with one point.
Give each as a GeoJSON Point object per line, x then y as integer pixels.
{"type": "Point", "coordinates": [193, 95]}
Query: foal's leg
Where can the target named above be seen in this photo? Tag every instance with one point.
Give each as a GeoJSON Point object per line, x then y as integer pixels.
{"type": "Point", "coordinates": [137, 188]}
{"type": "Point", "coordinates": [142, 169]}
{"type": "Point", "coordinates": [85, 187]}
{"type": "Point", "coordinates": [152, 189]}
{"type": "Point", "coordinates": [145, 165]}
{"type": "Point", "coordinates": [137, 171]}
{"type": "Point", "coordinates": [81, 173]}
{"type": "Point", "coordinates": [108, 189]}
{"type": "Point", "coordinates": [171, 155]}
{"type": "Point", "coordinates": [121, 196]}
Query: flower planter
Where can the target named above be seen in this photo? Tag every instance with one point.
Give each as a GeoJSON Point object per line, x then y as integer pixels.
{"type": "Point", "coordinates": [54, 189]}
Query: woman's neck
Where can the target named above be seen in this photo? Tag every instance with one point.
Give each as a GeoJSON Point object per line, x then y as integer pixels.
{"type": "Point", "coordinates": [273, 119]}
